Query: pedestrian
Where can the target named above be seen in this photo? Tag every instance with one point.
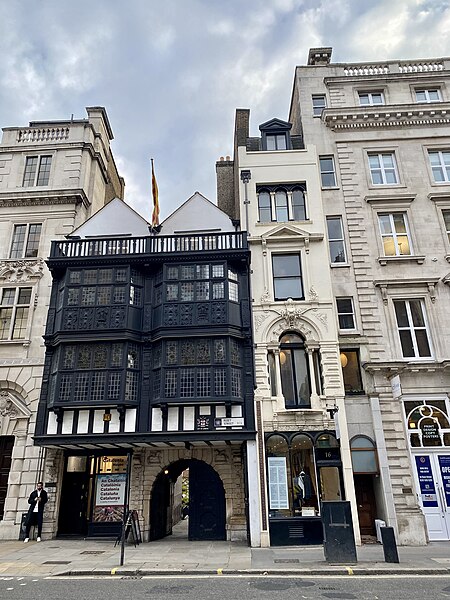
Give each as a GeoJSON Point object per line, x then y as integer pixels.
{"type": "Point", "coordinates": [35, 516]}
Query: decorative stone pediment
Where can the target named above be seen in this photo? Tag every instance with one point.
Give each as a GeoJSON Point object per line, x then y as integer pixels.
{"type": "Point", "coordinates": [290, 233]}
{"type": "Point", "coordinates": [12, 410]}
{"type": "Point", "coordinates": [19, 271]}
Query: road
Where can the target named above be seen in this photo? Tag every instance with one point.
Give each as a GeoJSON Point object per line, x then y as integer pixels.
{"type": "Point", "coordinates": [366, 587]}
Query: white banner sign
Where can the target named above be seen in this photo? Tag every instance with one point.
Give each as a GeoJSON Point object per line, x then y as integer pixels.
{"type": "Point", "coordinates": [278, 489]}
{"type": "Point", "coordinates": [110, 490]}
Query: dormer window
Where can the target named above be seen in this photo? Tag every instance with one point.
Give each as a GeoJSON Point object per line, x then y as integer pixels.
{"type": "Point", "coordinates": [275, 135]}
{"type": "Point", "coordinates": [276, 141]}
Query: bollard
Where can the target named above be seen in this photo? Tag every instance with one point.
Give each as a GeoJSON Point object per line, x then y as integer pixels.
{"type": "Point", "coordinates": [389, 545]}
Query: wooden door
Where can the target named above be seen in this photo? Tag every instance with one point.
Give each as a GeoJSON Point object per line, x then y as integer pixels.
{"type": "Point", "coordinates": [365, 501]}
{"type": "Point", "coordinates": [206, 503]}
{"type": "Point", "coordinates": [6, 447]}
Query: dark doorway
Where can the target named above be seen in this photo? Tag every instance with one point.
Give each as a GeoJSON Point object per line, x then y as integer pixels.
{"type": "Point", "coordinates": [365, 501]}
{"type": "Point", "coordinates": [6, 447]}
{"type": "Point", "coordinates": [206, 502]}
{"type": "Point", "coordinates": [74, 498]}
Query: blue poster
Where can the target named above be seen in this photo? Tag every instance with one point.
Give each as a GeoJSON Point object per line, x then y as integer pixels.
{"type": "Point", "coordinates": [444, 464]}
{"type": "Point", "coordinates": [426, 481]}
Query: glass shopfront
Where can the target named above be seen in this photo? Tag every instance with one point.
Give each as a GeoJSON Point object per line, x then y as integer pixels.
{"type": "Point", "coordinates": [302, 470]}
{"type": "Point", "coordinates": [93, 495]}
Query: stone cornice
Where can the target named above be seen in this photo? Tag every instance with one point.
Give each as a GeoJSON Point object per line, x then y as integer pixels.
{"type": "Point", "coordinates": [38, 197]}
{"type": "Point", "coordinates": [394, 367]}
{"type": "Point", "coordinates": [386, 116]}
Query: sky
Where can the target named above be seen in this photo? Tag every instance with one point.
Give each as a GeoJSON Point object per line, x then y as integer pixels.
{"type": "Point", "coordinates": [171, 73]}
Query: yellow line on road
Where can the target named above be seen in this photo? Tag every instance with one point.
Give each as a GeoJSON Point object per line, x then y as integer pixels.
{"type": "Point", "coordinates": [113, 571]}
{"type": "Point", "coordinates": [349, 570]}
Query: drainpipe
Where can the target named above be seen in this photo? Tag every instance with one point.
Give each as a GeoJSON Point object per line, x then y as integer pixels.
{"type": "Point", "coordinates": [245, 178]}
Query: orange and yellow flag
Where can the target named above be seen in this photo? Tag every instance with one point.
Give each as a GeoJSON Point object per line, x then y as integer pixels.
{"type": "Point", "coordinates": [155, 214]}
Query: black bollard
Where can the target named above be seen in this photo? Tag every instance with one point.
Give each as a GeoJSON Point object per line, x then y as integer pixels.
{"type": "Point", "coordinates": [389, 545]}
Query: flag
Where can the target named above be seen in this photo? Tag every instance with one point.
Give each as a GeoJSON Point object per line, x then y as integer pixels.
{"type": "Point", "coordinates": [155, 214]}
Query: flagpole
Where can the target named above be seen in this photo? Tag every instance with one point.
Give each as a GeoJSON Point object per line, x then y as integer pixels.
{"type": "Point", "coordinates": [155, 226]}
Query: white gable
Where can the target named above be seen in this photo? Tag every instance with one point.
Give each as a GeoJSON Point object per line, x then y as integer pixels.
{"type": "Point", "coordinates": [197, 214]}
{"type": "Point", "coordinates": [114, 219]}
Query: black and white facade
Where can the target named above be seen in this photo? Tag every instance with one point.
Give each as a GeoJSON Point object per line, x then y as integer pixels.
{"type": "Point", "coordinates": [149, 372]}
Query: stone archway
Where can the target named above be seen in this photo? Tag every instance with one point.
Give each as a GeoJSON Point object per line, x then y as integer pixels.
{"type": "Point", "coordinates": [207, 516]}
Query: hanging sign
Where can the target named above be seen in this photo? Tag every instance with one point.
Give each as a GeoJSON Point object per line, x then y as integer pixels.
{"type": "Point", "coordinates": [426, 481]}
{"type": "Point", "coordinates": [278, 488]}
{"type": "Point", "coordinates": [396, 387]}
{"type": "Point", "coordinates": [444, 465]}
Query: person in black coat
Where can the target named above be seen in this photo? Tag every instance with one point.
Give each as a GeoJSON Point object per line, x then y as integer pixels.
{"type": "Point", "coordinates": [35, 516]}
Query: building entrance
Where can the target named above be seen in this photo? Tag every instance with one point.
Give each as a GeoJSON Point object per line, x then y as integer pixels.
{"type": "Point", "coordinates": [206, 505]}
{"type": "Point", "coordinates": [6, 447]}
{"type": "Point", "coordinates": [93, 495]}
{"type": "Point", "coordinates": [432, 472]}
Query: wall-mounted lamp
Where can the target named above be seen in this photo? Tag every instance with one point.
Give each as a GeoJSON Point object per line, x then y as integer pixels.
{"type": "Point", "coordinates": [344, 359]}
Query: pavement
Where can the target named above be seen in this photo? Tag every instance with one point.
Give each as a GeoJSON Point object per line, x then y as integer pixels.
{"type": "Point", "coordinates": [175, 555]}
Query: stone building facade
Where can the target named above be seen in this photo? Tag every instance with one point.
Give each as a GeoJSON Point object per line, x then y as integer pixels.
{"type": "Point", "coordinates": [303, 446]}
{"type": "Point", "coordinates": [53, 176]}
{"type": "Point", "coordinates": [382, 136]}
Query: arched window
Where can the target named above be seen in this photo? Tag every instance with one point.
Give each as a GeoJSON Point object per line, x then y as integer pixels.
{"type": "Point", "coordinates": [264, 207]}
{"type": "Point", "coordinates": [364, 455]}
{"type": "Point", "coordinates": [298, 205]}
{"type": "Point", "coordinates": [281, 206]}
{"type": "Point", "coordinates": [294, 370]}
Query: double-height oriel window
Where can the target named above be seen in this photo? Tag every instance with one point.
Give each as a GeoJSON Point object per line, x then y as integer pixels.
{"type": "Point", "coordinates": [103, 287]}
{"type": "Point", "coordinates": [281, 203]}
{"type": "Point", "coordinates": [197, 368]}
{"type": "Point", "coordinates": [199, 282]}
{"type": "Point", "coordinates": [95, 373]}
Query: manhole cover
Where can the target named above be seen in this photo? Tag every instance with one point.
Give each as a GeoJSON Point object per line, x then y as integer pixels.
{"type": "Point", "coordinates": [286, 560]}
{"type": "Point", "coordinates": [57, 562]}
{"type": "Point", "coordinates": [93, 552]}
{"type": "Point", "coordinates": [271, 585]}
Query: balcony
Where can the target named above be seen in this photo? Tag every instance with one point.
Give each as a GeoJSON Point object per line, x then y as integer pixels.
{"type": "Point", "coordinates": [148, 247]}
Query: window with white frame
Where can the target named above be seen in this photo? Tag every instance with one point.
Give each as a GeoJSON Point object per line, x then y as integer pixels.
{"type": "Point", "coordinates": [412, 328]}
{"type": "Point", "coordinates": [346, 313]}
{"type": "Point", "coordinates": [276, 141]}
{"type": "Point", "coordinates": [14, 310]}
{"type": "Point", "coordinates": [440, 165]}
{"type": "Point", "coordinates": [336, 240]}
{"type": "Point", "coordinates": [395, 234]}
{"type": "Point", "coordinates": [446, 215]}
{"type": "Point", "coordinates": [319, 104]}
{"type": "Point", "coordinates": [25, 241]}
{"type": "Point", "coordinates": [37, 170]}
{"type": "Point", "coordinates": [383, 168]}
{"type": "Point", "coordinates": [281, 203]}
{"type": "Point", "coordinates": [428, 95]}
{"type": "Point", "coordinates": [287, 277]}
{"type": "Point", "coordinates": [371, 98]}
{"type": "Point", "coordinates": [327, 171]}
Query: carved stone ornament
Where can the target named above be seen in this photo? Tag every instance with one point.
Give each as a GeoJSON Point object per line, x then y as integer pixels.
{"type": "Point", "coordinates": [7, 408]}
{"type": "Point", "coordinates": [313, 295]}
{"type": "Point", "coordinates": [291, 314]}
{"type": "Point", "coordinates": [260, 318]}
{"type": "Point", "coordinates": [21, 270]}
{"type": "Point", "coordinates": [265, 297]}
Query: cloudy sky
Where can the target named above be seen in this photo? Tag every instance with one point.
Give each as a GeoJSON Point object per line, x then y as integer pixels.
{"type": "Point", "coordinates": [172, 72]}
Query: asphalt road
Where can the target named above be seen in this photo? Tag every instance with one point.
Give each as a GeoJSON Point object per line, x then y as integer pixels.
{"type": "Point", "coordinates": [226, 588]}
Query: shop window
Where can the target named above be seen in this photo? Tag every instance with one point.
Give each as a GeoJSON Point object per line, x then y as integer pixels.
{"type": "Point", "coordinates": [294, 372]}
{"type": "Point", "coordinates": [304, 483]}
{"type": "Point", "coordinates": [428, 423]}
{"type": "Point", "coordinates": [351, 371]}
{"type": "Point", "coordinates": [364, 456]}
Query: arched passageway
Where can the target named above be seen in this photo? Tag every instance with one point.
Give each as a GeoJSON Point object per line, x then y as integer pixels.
{"type": "Point", "coordinates": [206, 501]}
